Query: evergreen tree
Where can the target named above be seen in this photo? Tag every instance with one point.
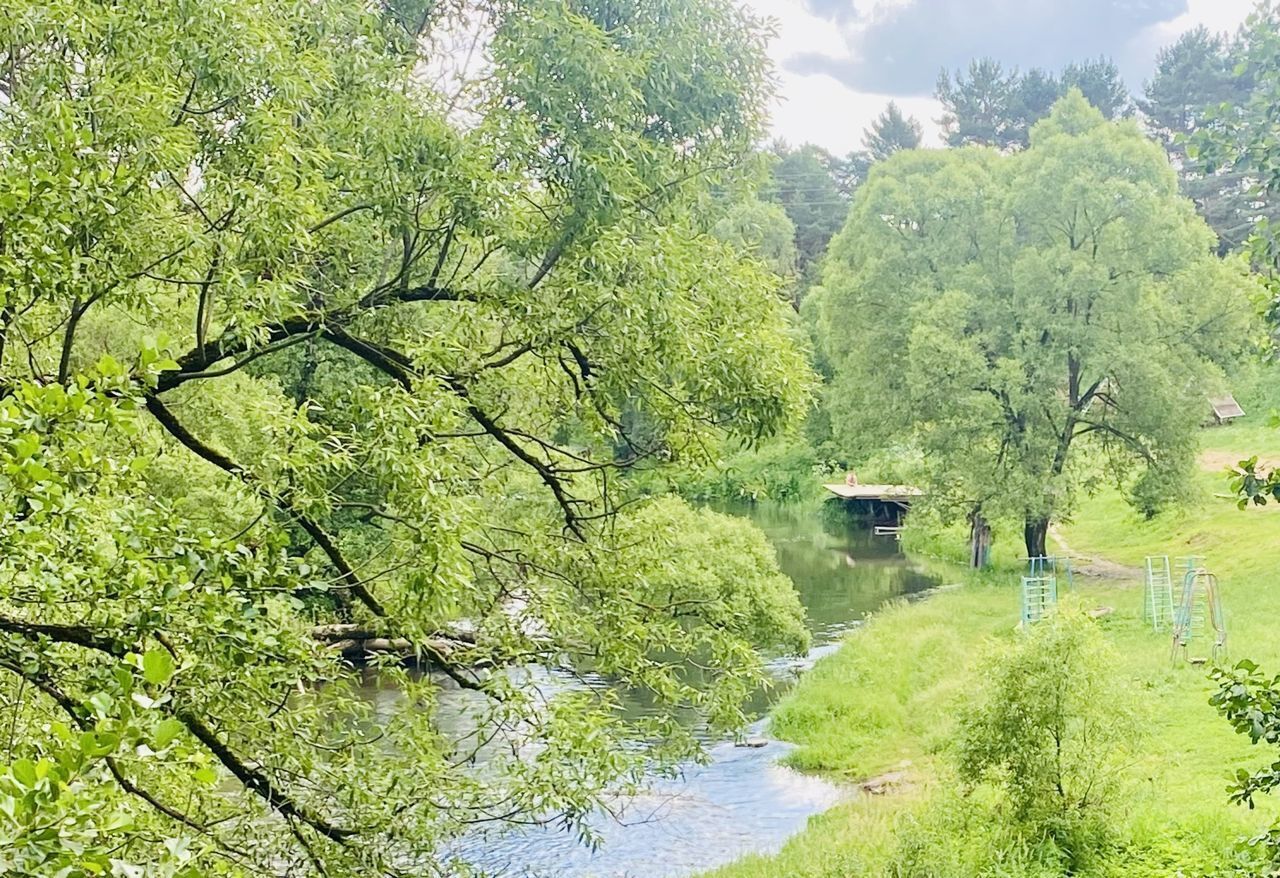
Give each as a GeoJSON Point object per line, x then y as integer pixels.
{"type": "Point", "coordinates": [1035, 95]}
{"type": "Point", "coordinates": [890, 132]}
{"type": "Point", "coordinates": [1099, 81]}
{"type": "Point", "coordinates": [805, 184]}
{"type": "Point", "coordinates": [1194, 78]}
{"type": "Point", "coordinates": [992, 107]}
{"type": "Point", "coordinates": [976, 106]}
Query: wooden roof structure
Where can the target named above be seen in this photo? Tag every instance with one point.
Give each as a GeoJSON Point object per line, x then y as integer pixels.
{"type": "Point", "coordinates": [883, 493]}
{"type": "Point", "coordinates": [1225, 408]}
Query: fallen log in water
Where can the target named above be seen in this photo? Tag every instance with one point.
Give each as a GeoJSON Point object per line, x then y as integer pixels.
{"type": "Point", "coordinates": [361, 645]}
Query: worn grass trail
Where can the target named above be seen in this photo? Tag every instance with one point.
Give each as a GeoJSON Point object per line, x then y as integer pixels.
{"type": "Point", "coordinates": [890, 696]}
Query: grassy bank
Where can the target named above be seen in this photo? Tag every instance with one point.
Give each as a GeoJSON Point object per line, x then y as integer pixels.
{"type": "Point", "coordinates": [890, 698]}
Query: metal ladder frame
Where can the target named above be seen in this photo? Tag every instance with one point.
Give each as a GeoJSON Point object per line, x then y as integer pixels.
{"type": "Point", "coordinates": [1192, 615]}
{"type": "Point", "coordinates": [1157, 598]}
{"type": "Point", "coordinates": [1039, 598]}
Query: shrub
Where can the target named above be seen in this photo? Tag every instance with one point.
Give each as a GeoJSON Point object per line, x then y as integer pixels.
{"type": "Point", "coordinates": [1050, 729]}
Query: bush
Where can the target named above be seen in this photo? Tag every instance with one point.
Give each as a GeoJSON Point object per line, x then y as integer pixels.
{"type": "Point", "coordinates": [1050, 729]}
{"type": "Point", "coordinates": [784, 471]}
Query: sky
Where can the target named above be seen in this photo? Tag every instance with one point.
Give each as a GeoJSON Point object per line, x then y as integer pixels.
{"type": "Point", "coordinates": [840, 61]}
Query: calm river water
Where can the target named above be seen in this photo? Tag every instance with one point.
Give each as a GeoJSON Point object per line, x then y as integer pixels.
{"type": "Point", "coordinates": [742, 801]}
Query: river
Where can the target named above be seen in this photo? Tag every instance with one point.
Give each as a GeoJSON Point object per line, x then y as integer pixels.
{"type": "Point", "coordinates": [743, 800]}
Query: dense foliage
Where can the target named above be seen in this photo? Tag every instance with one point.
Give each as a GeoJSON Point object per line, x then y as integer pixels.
{"type": "Point", "coordinates": [1195, 87]}
{"type": "Point", "coordinates": [805, 181]}
{"type": "Point", "coordinates": [316, 340]}
{"type": "Point", "coordinates": [989, 106]}
{"type": "Point", "coordinates": [763, 230]}
{"type": "Point", "coordinates": [1250, 701]}
{"type": "Point", "coordinates": [1002, 309]}
{"type": "Point", "coordinates": [1238, 142]}
{"type": "Point", "coordinates": [1052, 730]}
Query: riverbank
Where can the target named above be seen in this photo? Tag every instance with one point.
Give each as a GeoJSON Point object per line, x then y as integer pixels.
{"type": "Point", "coordinates": [889, 699]}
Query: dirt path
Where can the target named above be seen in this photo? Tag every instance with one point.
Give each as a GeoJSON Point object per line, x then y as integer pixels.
{"type": "Point", "coordinates": [1215, 461]}
{"type": "Point", "coordinates": [1098, 568]}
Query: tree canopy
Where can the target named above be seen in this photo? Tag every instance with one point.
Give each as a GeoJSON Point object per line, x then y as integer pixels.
{"type": "Point", "coordinates": [1196, 89]}
{"type": "Point", "coordinates": [804, 182]}
{"type": "Point", "coordinates": [763, 230]}
{"type": "Point", "coordinates": [315, 343]}
{"type": "Point", "coordinates": [890, 132]}
{"type": "Point", "coordinates": [1002, 310]}
{"type": "Point", "coordinates": [1239, 139]}
{"type": "Point", "coordinates": [990, 106]}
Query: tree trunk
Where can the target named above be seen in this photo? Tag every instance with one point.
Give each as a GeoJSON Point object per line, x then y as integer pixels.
{"type": "Point", "coordinates": [979, 541]}
{"type": "Point", "coordinates": [1036, 533]}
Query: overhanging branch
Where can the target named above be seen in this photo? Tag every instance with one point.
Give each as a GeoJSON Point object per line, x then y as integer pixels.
{"type": "Point", "coordinates": [322, 539]}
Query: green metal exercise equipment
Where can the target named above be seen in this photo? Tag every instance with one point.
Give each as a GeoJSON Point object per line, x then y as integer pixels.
{"type": "Point", "coordinates": [1056, 566]}
{"type": "Point", "coordinates": [1157, 596]}
{"type": "Point", "coordinates": [1039, 598]}
{"type": "Point", "coordinates": [1199, 610]}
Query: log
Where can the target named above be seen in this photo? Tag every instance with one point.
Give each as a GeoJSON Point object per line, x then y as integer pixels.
{"type": "Point", "coordinates": [358, 644]}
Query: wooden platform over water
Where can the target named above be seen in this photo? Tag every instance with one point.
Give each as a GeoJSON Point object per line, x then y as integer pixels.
{"type": "Point", "coordinates": [883, 493]}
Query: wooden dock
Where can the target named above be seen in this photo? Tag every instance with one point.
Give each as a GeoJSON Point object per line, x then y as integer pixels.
{"type": "Point", "coordinates": [903, 494]}
{"type": "Point", "coordinates": [881, 505]}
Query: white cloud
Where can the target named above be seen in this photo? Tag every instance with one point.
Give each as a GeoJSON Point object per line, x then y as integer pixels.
{"type": "Point", "coordinates": [1217, 15]}
{"type": "Point", "coordinates": [817, 108]}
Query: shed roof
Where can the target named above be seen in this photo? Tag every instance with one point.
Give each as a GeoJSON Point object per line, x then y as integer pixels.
{"type": "Point", "coordinates": [1226, 407]}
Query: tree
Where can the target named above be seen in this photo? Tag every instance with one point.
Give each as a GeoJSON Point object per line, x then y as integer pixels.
{"type": "Point", "coordinates": [890, 132]}
{"type": "Point", "coordinates": [1036, 93]}
{"type": "Point", "coordinates": [313, 349]}
{"type": "Point", "coordinates": [804, 183]}
{"type": "Point", "coordinates": [763, 230]}
{"type": "Point", "coordinates": [977, 106]}
{"type": "Point", "coordinates": [1100, 83]}
{"type": "Point", "coordinates": [1031, 321]}
{"type": "Point", "coordinates": [1240, 138]}
{"type": "Point", "coordinates": [1195, 77]}
{"type": "Point", "coordinates": [990, 107]}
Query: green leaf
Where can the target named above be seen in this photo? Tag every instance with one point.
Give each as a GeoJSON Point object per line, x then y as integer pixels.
{"type": "Point", "coordinates": [157, 666]}
{"type": "Point", "coordinates": [166, 732]}
{"type": "Point", "coordinates": [98, 744]}
{"type": "Point", "coordinates": [24, 772]}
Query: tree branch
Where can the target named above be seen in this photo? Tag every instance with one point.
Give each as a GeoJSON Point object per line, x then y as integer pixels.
{"type": "Point", "coordinates": [254, 780]}
{"type": "Point", "coordinates": [544, 471]}
{"type": "Point", "coordinates": [79, 635]}
{"type": "Point", "coordinates": [318, 535]}
{"type": "Point", "coordinates": [1132, 441]}
{"type": "Point", "coordinates": [78, 714]}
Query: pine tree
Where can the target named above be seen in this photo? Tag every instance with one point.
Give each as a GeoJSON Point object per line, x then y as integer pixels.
{"type": "Point", "coordinates": [976, 107]}
{"type": "Point", "coordinates": [890, 132]}
{"type": "Point", "coordinates": [1099, 80]}
{"type": "Point", "coordinates": [1195, 77]}
{"type": "Point", "coordinates": [991, 107]}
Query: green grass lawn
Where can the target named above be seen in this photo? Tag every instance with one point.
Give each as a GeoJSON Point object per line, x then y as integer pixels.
{"type": "Point", "coordinates": [891, 694]}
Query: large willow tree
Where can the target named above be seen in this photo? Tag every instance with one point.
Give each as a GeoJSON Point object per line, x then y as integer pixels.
{"type": "Point", "coordinates": [318, 325]}
{"type": "Point", "coordinates": [1032, 322]}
